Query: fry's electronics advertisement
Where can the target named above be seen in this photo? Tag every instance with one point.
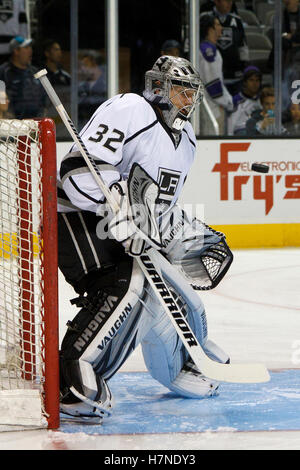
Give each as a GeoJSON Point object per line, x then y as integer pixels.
{"type": "Point", "coordinates": [231, 193]}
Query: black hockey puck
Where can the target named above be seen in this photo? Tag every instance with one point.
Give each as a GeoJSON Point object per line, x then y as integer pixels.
{"type": "Point", "coordinates": [259, 167]}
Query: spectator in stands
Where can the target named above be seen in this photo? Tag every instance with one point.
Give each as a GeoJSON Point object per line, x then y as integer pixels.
{"type": "Point", "coordinates": [171, 47]}
{"type": "Point", "coordinates": [292, 124]}
{"type": "Point", "coordinates": [290, 32]}
{"type": "Point", "coordinates": [246, 101]}
{"type": "Point", "coordinates": [291, 26]}
{"type": "Point", "coordinates": [211, 68]}
{"type": "Point", "coordinates": [53, 55]}
{"type": "Point", "coordinates": [209, 5]}
{"type": "Point", "coordinates": [290, 49]}
{"type": "Point", "coordinates": [59, 78]}
{"type": "Point", "coordinates": [232, 44]}
{"type": "Point", "coordinates": [92, 89]}
{"type": "Point", "coordinates": [262, 121]}
{"type": "Point", "coordinates": [25, 93]}
{"type": "Point", "coordinates": [13, 22]}
{"type": "Point", "coordinates": [4, 105]}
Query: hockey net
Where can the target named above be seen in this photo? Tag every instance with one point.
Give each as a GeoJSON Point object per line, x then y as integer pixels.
{"type": "Point", "coordinates": [28, 275]}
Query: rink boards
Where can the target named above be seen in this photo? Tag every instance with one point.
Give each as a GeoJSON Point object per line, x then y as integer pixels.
{"type": "Point", "coordinates": [253, 209]}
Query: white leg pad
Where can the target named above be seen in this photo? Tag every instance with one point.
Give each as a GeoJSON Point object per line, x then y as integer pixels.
{"type": "Point", "coordinates": [193, 384]}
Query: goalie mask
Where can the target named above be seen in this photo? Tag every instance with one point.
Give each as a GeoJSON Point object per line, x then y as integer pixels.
{"type": "Point", "coordinates": [175, 86]}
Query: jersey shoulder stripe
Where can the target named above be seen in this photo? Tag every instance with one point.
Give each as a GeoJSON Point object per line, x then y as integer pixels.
{"type": "Point", "coordinates": [74, 163]}
{"type": "Point", "coordinates": [82, 192]}
{"type": "Point", "coordinates": [144, 129]}
{"type": "Point", "coordinates": [188, 129]}
{"type": "Point", "coordinates": [193, 143]}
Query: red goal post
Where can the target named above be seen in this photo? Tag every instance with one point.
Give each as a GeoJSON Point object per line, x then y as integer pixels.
{"type": "Point", "coordinates": [29, 365]}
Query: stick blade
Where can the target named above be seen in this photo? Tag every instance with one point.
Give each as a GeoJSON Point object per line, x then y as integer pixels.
{"type": "Point", "coordinates": [236, 373]}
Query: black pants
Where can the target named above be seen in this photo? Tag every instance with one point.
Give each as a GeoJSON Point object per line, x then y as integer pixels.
{"type": "Point", "coordinates": [81, 254]}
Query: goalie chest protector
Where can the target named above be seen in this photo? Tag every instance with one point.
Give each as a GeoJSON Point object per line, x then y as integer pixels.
{"type": "Point", "coordinates": [125, 130]}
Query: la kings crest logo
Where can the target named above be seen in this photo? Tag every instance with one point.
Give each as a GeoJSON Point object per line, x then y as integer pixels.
{"type": "Point", "coordinates": [168, 182]}
{"type": "Point", "coordinates": [6, 10]}
{"type": "Point", "coordinates": [226, 40]}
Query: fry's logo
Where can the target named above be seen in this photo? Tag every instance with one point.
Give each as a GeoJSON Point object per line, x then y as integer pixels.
{"type": "Point", "coordinates": [263, 185]}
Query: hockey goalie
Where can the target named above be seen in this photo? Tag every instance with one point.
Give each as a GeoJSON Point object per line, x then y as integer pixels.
{"type": "Point", "coordinates": [144, 147]}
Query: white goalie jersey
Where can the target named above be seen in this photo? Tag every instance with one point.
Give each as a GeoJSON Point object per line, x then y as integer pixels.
{"type": "Point", "coordinates": [126, 130]}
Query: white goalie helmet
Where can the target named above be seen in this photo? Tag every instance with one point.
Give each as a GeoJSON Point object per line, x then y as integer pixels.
{"type": "Point", "coordinates": [175, 86]}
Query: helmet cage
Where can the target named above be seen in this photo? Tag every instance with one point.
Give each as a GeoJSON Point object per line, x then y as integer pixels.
{"type": "Point", "coordinates": [160, 84]}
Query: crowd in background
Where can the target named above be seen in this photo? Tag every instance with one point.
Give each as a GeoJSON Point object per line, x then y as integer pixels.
{"type": "Point", "coordinates": [238, 75]}
{"type": "Point", "coordinates": [239, 84]}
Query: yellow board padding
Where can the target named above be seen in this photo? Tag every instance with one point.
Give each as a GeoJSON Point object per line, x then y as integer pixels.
{"type": "Point", "coordinates": [9, 245]}
{"type": "Point", "coordinates": [261, 235]}
{"type": "Point", "coordinates": [237, 236]}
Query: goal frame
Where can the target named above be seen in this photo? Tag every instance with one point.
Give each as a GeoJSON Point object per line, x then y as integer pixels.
{"type": "Point", "coordinates": [48, 254]}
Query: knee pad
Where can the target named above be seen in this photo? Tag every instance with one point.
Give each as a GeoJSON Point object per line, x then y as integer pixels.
{"type": "Point", "coordinates": [103, 297]}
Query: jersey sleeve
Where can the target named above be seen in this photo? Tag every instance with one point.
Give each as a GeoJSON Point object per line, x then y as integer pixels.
{"type": "Point", "coordinates": [212, 76]}
{"type": "Point", "coordinates": [23, 21]}
{"type": "Point", "coordinates": [104, 137]}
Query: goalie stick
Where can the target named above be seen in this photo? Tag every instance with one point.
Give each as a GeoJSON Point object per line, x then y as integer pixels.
{"type": "Point", "coordinates": [149, 262]}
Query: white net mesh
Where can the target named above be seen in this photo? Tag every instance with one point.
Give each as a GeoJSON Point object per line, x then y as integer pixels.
{"type": "Point", "coordinates": [21, 264]}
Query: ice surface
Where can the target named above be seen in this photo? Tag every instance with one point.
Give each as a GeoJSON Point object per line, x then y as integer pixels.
{"type": "Point", "coordinates": [254, 315]}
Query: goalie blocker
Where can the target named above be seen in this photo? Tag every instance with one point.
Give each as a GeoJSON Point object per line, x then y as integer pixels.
{"type": "Point", "coordinates": [93, 348]}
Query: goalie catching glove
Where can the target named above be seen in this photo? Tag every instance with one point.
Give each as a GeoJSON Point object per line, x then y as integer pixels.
{"type": "Point", "coordinates": [200, 253]}
{"type": "Point", "coordinates": [135, 225]}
